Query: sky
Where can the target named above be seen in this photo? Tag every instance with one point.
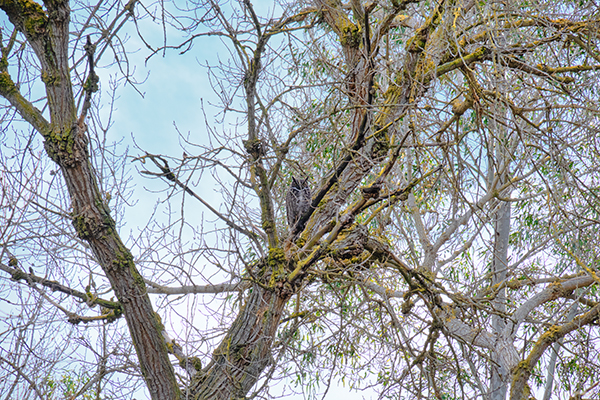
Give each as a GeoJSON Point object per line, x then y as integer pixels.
{"type": "Point", "coordinates": [176, 89]}
{"type": "Point", "coordinates": [171, 100]}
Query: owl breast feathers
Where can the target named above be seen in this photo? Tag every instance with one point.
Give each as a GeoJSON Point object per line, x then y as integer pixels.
{"type": "Point", "coordinates": [297, 201]}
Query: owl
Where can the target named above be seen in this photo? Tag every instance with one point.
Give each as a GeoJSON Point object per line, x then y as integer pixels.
{"type": "Point", "coordinates": [297, 201]}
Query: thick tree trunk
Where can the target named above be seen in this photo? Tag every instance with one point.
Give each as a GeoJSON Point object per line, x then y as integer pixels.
{"type": "Point", "coordinates": [245, 351]}
{"type": "Point", "coordinates": [66, 143]}
{"type": "Point", "coordinates": [94, 224]}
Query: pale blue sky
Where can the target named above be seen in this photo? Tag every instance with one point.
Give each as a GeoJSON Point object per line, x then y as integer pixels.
{"type": "Point", "coordinates": [172, 94]}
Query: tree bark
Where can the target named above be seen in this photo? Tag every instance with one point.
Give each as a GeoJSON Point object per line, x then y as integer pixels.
{"type": "Point", "coordinates": [554, 356]}
{"type": "Point", "coordinates": [498, 384]}
{"type": "Point", "coordinates": [245, 351]}
{"type": "Point", "coordinates": [523, 371]}
{"type": "Point", "coordinates": [66, 143]}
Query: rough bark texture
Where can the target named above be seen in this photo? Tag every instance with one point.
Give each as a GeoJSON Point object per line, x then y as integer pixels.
{"type": "Point", "coordinates": [370, 149]}
{"type": "Point", "coordinates": [245, 352]}
{"type": "Point", "coordinates": [66, 143]}
{"type": "Point", "coordinates": [93, 223]}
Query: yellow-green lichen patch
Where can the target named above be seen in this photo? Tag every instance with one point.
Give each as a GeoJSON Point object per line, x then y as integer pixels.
{"type": "Point", "coordinates": [111, 315]}
{"type": "Point", "coordinates": [276, 256]}
{"type": "Point", "coordinates": [125, 260]}
{"type": "Point", "coordinates": [171, 349]}
{"type": "Point", "coordinates": [28, 13]}
{"type": "Point", "coordinates": [3, 63]}
{"type": "Point", "coordinates": [90, 297]}
{"type": "Point", "coordinates": [276, 264]}
{"type": "Point", "coordinates": [18, 275]}
{"type": "Point", "coordinates": [59, 146]}
{"type": "Point", "coordinates": [7, 86]}
{"type": "Point", "coordinates": [416, 43]}
{"type": "Point", "coordinates": [267, 226]}
{"type": "Point", "coordinates": [160, 326]}
{"type": "Point", "coordinates": [197, 363]}
{"type": "Point", "coordinates": [50, 80]}
{"type": "Point", "coordinates": [551, 335]}
{"type": "Point", "coordinates": [520, 371]}
{"type": "Point", "coordinates": [350, 34]}
{"type": "Point", "coordinates": [81, 225]}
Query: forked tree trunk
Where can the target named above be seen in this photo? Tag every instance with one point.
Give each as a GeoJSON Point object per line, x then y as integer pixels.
{"type": "Point", "coordinates": [66, 143]}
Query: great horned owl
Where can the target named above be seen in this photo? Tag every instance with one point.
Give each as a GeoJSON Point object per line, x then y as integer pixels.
{"type": "Point", "coordinates": [297, 201]}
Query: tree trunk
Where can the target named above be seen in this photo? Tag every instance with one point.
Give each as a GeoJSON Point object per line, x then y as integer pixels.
{"type": "Point", "coordinates": [246, 349]}
{"type": "Point", "coordinates": [498, 384]}
{"type": "Point", "coordinates": [66, 143]}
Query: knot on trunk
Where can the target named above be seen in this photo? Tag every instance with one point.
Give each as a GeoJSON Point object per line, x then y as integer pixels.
{"type": "Point", "coordinates": [67, 149]}
{"type": "Point", "coordinates": [90, 224]}
{"type": "Point", "coordinates": [351, 242]}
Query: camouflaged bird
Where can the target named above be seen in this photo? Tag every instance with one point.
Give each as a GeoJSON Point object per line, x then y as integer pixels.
{"type": "Point", "coordinates": [297, 201]}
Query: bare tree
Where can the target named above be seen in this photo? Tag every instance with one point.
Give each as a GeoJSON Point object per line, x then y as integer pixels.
{"type": "Point", "coordinates": [449, 249]}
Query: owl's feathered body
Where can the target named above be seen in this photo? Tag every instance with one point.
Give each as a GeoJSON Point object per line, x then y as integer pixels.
{"type": "Point", "coordinates": [297, 201]}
